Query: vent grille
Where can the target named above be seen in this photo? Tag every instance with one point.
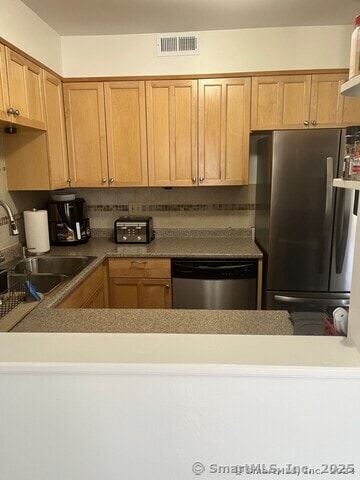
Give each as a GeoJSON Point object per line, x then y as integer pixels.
{"type": "Point", "coordinates": [177, 44]}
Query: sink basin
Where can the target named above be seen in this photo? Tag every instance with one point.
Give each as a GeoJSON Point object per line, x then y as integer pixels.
{"type": "Point", "coordinates": [67, 265]}
{"type": "Point", "coordinates": [42, 282]}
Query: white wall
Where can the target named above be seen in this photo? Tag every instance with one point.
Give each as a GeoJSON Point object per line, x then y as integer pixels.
{"type": "Point", "coordinates": [118, 422]}
{"type": "Point", "coordinates": [22, 27]}
{"type": "Point", "coordinates": [220, 51]}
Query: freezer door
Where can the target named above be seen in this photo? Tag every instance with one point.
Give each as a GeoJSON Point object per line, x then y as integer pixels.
{"type": "Point", "coordinates": [302, 209]}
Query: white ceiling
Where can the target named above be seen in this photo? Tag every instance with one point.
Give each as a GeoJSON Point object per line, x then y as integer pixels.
{"type": "Point", "coordinates": [110, 17]}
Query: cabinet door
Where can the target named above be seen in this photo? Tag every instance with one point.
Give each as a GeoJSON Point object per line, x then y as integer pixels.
{"type": "Point", "coordinates": [126, 133]}
{"type": "Point", "coordinates": [172, 132]}
{"type": "Point", "coordinates": [224, 131]}
{"type": "Point", "coordinates": [56, 139]}
{"type": "Point", "coordinates": [86, 134]}
{"type": "Point", "coordinates": [25, 90]}
{"type": "Point", "coordinates": [280, 102]}
{"type": "Point", "coordinates": [328, 108]}
{"type": "Point", "coordinates": [4, 98]}
{"type": "Point", "coordinates": [97, 300]}
{"type": "Point", "coordinates": [350, 108]}
{"type": "Point", "coordinates": [84, 293]}
{"type": "Point", "coordinates": [140, 293]}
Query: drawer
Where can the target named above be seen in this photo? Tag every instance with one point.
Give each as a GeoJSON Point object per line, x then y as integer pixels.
{"type": "Point", "coordinates": [140, 267]}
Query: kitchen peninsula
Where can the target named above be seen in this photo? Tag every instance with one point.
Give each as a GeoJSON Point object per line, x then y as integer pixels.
{"type": "Point", "coordinates": [216, 244]}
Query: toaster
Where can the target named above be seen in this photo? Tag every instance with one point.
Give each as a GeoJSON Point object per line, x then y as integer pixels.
{"type": "Point", "coordinates": [129, 229]}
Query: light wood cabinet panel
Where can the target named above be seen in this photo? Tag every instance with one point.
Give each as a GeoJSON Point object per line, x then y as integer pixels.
{"type": "Point", "coordinates": [326, 102]}
{"type": "Point", "coordinates": [140, 293]}
{"type": "Point", "coordinates": [86, 292]}
{"type": "Point", "coordinates": [172, 132]}
{"type": "Point", "coordinates": [55, 133]}
{"type": "Point", "coordinates": [25, 85]}
{"type": "Point", "coordinates": [224, 130]}
{"type": "Point", "coordinates": [86, 134]}
{"type": "Point", "coordinates": [302, 101]}
{"type": "Point", "coordinates": [97, 300]}
{"type": "Point", "coordinates": [4, 96]}
{"type": "Point", "coordinates": [41, 157]}
{"type": "Point", "coordinates": [126, 133]}
{"type": "Point", "coordinates": [280, 102]}
{"type": "Point", "coordinates": [26, 158]}
{"type": "Point", "coordinates": [328, 107]}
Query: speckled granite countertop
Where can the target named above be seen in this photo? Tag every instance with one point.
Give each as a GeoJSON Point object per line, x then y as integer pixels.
{"type": "Point", "coordinates": [47, 318]}
{"type": "Point", "coordinates": [225, 247]}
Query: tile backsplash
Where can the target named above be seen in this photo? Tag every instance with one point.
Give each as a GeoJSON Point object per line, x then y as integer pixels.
{"type": "Point", "coordinates": [197, 207]}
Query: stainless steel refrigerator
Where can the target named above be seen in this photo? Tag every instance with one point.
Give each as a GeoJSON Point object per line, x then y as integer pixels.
{"type": "Point", "coordinates": [304, 226]}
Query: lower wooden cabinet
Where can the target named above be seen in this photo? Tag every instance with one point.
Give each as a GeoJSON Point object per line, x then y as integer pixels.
{"type": "Point", "coordinates": [91, 293]}
{"type": "Point", "coordinates": [139, 283]}
{"type": "Point", "coordinates": [140, 293]}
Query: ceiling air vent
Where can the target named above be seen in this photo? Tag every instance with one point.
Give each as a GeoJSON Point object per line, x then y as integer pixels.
{"type": "Point", "coordinates": [177, 44]}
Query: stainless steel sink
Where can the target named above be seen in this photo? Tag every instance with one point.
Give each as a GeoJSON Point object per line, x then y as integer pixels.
{"type": "Point", "coordinates": [42, 282]}
{"type": "Point", "coordinates": [47, 272]}
{"type": "Point", "coordinates": [67, 265]}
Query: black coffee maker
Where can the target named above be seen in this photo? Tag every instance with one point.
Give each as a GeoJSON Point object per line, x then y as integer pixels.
{"type": "Point", "coordinates": [68, 222]}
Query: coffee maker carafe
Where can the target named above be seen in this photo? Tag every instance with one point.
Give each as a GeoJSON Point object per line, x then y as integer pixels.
{"type": "Point", "coordinates": [68, 222]}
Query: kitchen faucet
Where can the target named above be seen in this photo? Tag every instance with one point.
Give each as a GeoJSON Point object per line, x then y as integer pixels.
{"type": "Point", "coordinates": [13, 227]}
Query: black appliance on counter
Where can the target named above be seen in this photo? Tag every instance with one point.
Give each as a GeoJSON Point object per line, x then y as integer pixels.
{"type": "Point", "coordinates": [68, 222]}
{"type": "Point", "coordinates": [132, 229]}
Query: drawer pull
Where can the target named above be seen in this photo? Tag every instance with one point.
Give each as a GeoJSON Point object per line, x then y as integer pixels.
{"type": "Point", "coordinates": [138, 263]}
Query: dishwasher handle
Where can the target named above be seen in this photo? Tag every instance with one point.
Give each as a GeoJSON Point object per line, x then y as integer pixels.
{"type": "Point", "coordinates": [215, 267]}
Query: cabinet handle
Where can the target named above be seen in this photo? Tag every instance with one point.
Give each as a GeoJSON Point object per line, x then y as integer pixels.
{"type": "Point", "coordinates": [111, 180]}
{"type": "Point", "coordinates": [306, 123]}
{"type": "Point", "coordinates": [194, 179]}
{"type": "Point", "coordinates": [103, 180]}
{"type": "Point", "coordinates": [201, 179]}
{"type": "Point", "coordinates": [314, 122]}
{"type": "Point", "coordinates": [10, 111]}
{"type": "Point", "coordinates": [167, 286]}
{"type": "Point", "coordinates": [68, 181]}
{"type": "Point", "coordinates": [17, 112]}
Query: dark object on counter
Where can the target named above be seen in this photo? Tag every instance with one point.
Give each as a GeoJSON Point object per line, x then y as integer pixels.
{"type": "Point", "coordinates": [129, 229]}
{"type": "Point", "coordinates": [68, 222]}
{"type": "Point", "coordinates": [229, 284]}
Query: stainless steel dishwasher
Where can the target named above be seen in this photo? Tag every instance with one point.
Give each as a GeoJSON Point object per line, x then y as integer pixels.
{"type": "Point", "coordinates": [214, 284]}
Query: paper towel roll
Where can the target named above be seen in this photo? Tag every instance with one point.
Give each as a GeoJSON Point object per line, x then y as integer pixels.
{"type": "Point", "coordinates": [36, 231]}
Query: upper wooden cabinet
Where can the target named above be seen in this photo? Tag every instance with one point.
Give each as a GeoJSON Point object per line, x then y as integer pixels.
{"type": "Point", "coordinates": [86, 134]}
{"type": "Point", "coordinates": [126, 133]}
{"type": "Point", "coordinates": [25, 88]}
{"type": "Point", "coordinates": [4, 95]}
{"type": "Point", "coordinates": [172, 132]}
{"type": "Point", "coordinates": [328, 108]}
{"type": "Point", "coordinates": [213, 114]}
{"type": "Point", "coordinates": [224, 128]}
{"type": "Point", "coordinates": [280, 101]}
{"type": "Point", "coordinates": [55, 134]}
{"type": "Point", "coordinates": [301, 101]}
{"type": "Point", "coordinates": [41, 157]}
{"type": "Point", "coordinates": [106, 133]}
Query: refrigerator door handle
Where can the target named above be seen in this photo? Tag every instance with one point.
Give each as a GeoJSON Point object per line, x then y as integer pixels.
{"type": "Point", "coordinates": [336, 302]}
{"type": "Point", "coordinates": [327, 212]}
{"type": "Point", "coordinates": [342, 227]}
